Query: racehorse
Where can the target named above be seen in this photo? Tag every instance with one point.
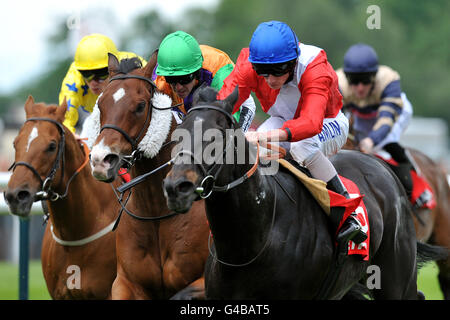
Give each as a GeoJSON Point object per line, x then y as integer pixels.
{"type": "Point", "coordinates": [78, 251]}
{"type": "Point", "coordinates": [271, 239]}
{"type": "Point", "coordinates": [158, 254]}
{"type": "Point", "coordinates": [433, 225]}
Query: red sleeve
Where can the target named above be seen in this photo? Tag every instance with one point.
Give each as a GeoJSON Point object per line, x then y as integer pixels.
{"type": "Point", "coordinates": [315, 102]}
{"type": "Point", "coordinates": [241, 76]}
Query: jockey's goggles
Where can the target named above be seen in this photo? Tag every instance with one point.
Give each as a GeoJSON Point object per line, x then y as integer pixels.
{"type": "Point", "coordinates": [277, 69]}
{"type": "Point", "coordinates": [364, 78]}
{"type": "Point", "coordinates": [183, 80]}
{"type": "Point", "coordinates": [97, 74]}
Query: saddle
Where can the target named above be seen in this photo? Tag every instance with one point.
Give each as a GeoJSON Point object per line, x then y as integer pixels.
{"type": "Point", "coordinates": [328, 200]}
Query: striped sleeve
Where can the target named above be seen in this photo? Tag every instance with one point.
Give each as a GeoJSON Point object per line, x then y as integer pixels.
{"type": "Point", "coordinates": [390, 108]}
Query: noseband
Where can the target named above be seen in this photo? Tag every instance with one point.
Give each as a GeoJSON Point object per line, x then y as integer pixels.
{"type": "Point", "coordinates": [46, 193]}
{"type": "Point", "coordinates": [135, 155]}
{"type": "Point", "coordinates": [207, 186]}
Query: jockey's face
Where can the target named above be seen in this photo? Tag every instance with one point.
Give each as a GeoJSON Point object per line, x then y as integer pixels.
{"type": "Point", "coordinates": [276, 83]}
{"type": "Point", "coordinates": [183, 90]}
{"type": "Point", "coordinates": [96, 85]}
{"type": "Point", "coordinates": [361, 90]}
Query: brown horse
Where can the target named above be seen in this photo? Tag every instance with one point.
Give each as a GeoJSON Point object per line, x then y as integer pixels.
{"type": "Point", "coordinates": [78, 251]}
{"type": "Point", "coordinates": [431, 226]}
{"type": "Point", "coordinates": [156, 258]}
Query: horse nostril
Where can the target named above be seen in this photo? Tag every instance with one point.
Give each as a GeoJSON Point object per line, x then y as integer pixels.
{"type": "Point", "coordinates": [23, 195]}
{"type": "Point", "coordinates": [185, 187]}
{"type": "Point", "coordinates": [112, 159]}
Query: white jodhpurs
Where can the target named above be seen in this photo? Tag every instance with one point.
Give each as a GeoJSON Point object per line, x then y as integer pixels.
{"type": "Point", "coordinates": [329, 141]}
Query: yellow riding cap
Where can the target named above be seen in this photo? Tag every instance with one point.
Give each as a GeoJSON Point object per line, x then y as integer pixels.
{"type": "Point", "coordinates": [77, 93]}
{"type": "Point", "coordinates": [92, 52]}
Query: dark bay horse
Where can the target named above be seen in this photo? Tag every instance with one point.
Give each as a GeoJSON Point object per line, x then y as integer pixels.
{"type": "Point", "coordinates": [158, 257]}
{"type": "Point", "coordinates": [78, 251]}
{"type": "Point", "coordinates": [432, 226]}
{"type": "Point", "coordinates": [271, 240]}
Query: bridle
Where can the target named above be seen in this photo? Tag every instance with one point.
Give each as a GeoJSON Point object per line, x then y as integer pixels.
{"type": "Point", "coordinates": [205, 190]}
{"type": "Point", "coordinates": [135, 154]}
{"type": "Point", "coordinates": [207, 185]}
{"type": "Point", "coordinates": [46, 192]}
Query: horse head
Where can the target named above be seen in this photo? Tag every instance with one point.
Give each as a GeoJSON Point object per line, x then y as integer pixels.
{"type": "Point", "coordinates": [134, 119]}
{"type": "Point", "coordinates": [207, 132]}
{"type": "Point", "coordinates": [39, 149]}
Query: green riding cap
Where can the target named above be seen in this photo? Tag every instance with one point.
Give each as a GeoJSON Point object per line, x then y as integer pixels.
{"type": "Point", "coordinates": [179, 54]}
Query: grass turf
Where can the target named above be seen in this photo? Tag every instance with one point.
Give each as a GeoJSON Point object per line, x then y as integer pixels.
{"type": "Point", "coordinates": [9, 282]}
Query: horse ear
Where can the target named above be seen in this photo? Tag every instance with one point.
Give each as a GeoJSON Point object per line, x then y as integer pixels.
{"type": "Point", "coordinates": [113, 64]}
{"type": "Point", "coordinates": [29, 106]}
{"type": "Point", "coordinates": [231, 100]}
{"type": "Point", "coordinates": [61, 110]}
{"type": "Point", "coordinates": [151, 64]}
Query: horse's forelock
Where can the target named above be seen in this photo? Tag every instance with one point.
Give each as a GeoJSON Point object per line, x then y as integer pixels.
{"type": "Point", "coordinates": [129, 64]}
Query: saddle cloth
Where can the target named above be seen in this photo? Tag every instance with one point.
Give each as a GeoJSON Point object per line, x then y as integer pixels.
{"type": "Point", "coordinates": [420, 185]}
{"type": "Point", "coordinates": [328, 199]}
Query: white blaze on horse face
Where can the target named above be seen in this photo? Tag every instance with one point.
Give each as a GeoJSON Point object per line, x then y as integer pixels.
{"type": "Point", "coordinates": [119, 94]}
{"type": "Point", "coordinates": [98, 154]}
{"type": "Point", "coordinates": [33, 135]}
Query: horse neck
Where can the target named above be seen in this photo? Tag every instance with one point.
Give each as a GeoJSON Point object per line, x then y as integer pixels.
{"type": "Point", "coordinates": [148, 196]}
{"type": "Point", "coordinates": [75, 215]}
{"type": "Point", "coordinates": [241, 217]}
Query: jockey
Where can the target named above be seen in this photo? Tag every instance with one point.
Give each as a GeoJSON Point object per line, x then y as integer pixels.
{"type": "Point", "coordinates": [298, 88]}
{"type": "Point", "coordinates": [86, 76]}
{"type": "Point", "coordinates": [184, 65]}
{"type": "Point", "coordinates": [381, 111]}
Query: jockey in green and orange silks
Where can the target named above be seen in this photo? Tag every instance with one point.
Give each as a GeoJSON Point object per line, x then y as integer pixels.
{"type": "Point", "coordinates": [184, 65]}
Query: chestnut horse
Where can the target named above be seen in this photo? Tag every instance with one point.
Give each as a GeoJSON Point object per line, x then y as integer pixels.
{"type": "Point", "coordinates": [156, 258]}
{"type": "Point", "coordinates": [271, 238]}
{"type": "Point", "coordinates": [432, 226]}
{"type": "Point", "coordinates": [78, 251]}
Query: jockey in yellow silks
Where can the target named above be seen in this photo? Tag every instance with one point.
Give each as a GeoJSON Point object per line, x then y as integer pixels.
{"type": "Point", "coordinates": [86, 76]}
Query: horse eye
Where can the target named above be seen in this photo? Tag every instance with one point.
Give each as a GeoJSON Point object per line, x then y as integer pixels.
{"type": "Point", "coordinates": [51, 146]}
{"type": "Point", "coordinates": [140, 107]}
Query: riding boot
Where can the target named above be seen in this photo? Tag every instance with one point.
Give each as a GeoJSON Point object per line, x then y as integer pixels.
{"type": "Point", "coordinates": [351, 228]}
{"type": "Point", "coordinates": [403, 172]}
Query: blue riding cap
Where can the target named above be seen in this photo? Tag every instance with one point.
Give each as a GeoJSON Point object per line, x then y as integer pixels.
{"type": "Point", "coordinates": [273, 42]}
{"type": "Point", "coordinates": [360, 58]}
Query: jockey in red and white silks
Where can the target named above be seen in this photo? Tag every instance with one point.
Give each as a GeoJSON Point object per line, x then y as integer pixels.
{"type": "Point", "coordinates": [298, 88]}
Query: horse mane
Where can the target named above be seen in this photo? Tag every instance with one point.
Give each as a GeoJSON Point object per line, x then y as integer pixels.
{"type": "Point", "coordinates": [129, 64]}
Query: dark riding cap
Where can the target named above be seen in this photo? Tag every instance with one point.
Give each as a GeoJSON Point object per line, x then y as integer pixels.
{"type": "Point", "coordinates": [360, 58]}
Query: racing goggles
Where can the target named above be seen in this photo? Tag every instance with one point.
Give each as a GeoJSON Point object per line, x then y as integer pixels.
{"type": "Point", "coordinates": [277, 69]}
{"type": "Point", "coordinates": [97, 74]}
{"type": "Point", "coordinates": [183, 80]}
{"type": "Point", "coordinates": [364, 78]}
